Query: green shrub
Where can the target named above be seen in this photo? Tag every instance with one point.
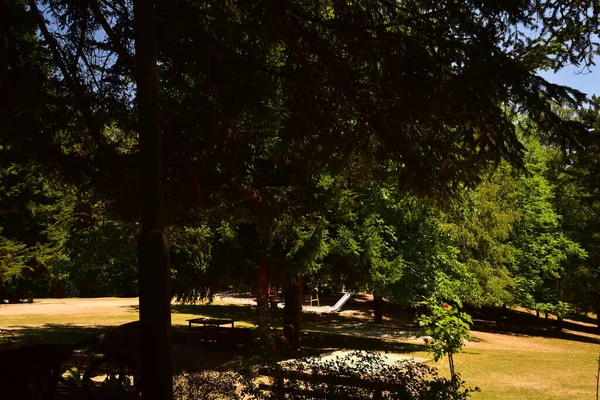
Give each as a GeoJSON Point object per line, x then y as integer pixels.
{"type": "Point", "coordinates": [415, 381]}
{"type": "Point", "coordinates": [445, 329]}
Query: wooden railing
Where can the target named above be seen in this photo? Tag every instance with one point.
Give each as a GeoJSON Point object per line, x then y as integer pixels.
{"type": "Point", "coordinates": [376, 388]}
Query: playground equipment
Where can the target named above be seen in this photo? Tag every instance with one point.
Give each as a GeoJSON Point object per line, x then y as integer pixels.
{"type": "Point", "coordinates": [312, 297]}
{"type": "Point", "coordinates": [342, 301]}
{"type": "Point", "coordinates": [275, 295]}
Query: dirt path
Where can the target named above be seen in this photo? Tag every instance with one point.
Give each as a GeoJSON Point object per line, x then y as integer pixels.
{"type": "Point", "coordinates": [70, 306]}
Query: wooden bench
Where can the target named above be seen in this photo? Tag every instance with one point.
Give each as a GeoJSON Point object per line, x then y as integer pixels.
{"type": "Point", "coordinates": [280, 378]}
{"type": "Point", "coordinates": [214, 336]}
{"type": "Point", "coordinates": [206, 322]}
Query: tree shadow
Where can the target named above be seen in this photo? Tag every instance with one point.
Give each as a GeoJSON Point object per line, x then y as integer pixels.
{"type": "Point", "coordinates": [237, 312]}
{"type": "Point", "coordinates": [49, 333]}
{"type": "Point", "coordinates": [523, 323]}
{"type": "Point", "coordinates": [584, 318]}
{"type": "Point", "coordinates": [358, 315]}
{"type": "Point", "coordinates": [328, 341]}
{"type": "Point", "coordinates": [358, 322]}
{"type": "Point", "coordinates": [187, 356]}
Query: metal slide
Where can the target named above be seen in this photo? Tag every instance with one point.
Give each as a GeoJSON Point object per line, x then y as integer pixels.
{"type": "Point", "coordinates": [341, 301]}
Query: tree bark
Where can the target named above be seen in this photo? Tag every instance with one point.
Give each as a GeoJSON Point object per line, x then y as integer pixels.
{"type": "Point", "coordinates": [378, 309]}
{"type": "Point", "coordinates": [153, 249]}
{"type": "Point", "coordinates": [262, 297]}
{"type": "Point", "coordinates": [498, 315]}
{"type": "Point", "coordinates": [451, 365]}
{"type": "Point", "coordinates": [292, 312]}
{"type": "Point", "coordinates": [559, 324]}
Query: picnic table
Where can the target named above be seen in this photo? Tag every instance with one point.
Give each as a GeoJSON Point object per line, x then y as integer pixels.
{"type": "Point", "coordinates": [210, 322]}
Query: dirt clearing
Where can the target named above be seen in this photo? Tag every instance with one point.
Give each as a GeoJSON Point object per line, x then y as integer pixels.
{"type": "Point", "coordinates": [71, 306]}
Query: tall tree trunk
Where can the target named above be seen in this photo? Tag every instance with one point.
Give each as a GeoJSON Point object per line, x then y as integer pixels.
{"type": "Point", "coordinates": [451, 365]}
{"type": "Point", "coordinates": [262, 297]}
{"type": "Point", "coordinates": [377, 309]}
{"type": "Point", "coordinates": [498, 315]}
{"type": "Point", "coordinates": [559, 324]}
{"type": "Point", "coordinates": [292, 312]}
{"type": "Point", "coordinates": [153, 249]}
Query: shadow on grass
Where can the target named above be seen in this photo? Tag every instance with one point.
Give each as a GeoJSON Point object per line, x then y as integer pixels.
{"type": "Point", "coordinates": [357, 324]}
{"type": "Point", "coordinates": [334, 341]}
{"type": "Point", "coordinates": [237, 312]}
{"type": "Point", "coordinates": [584, 318]}
{"type": "Point", "coordinates": [49, 333]}
{"type": "Point", "coordinates": [523, 323]}
{"type": "Point", "coordinates": [322, 332]}
{"type": "Point", "coordinates": [363, 318]}
{"type": "Point", "coordinates": [191, 356]}
{"type": "Point", "coordinates": [187, 356]}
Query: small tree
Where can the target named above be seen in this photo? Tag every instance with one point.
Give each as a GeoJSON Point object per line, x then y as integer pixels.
{"type": "Point", "coordinates": [445, 328]}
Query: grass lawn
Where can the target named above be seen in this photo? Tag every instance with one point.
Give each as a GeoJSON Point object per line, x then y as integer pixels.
{"type": "Point", "coordinates": [504, 366]}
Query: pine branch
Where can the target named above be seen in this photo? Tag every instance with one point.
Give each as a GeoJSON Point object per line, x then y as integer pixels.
{"type": "Point", "coordinates": [73, 83]}
{"type": "Point", "coordinates": [112, 36]}
{"type": "Point", "coordinates": [130, 63]}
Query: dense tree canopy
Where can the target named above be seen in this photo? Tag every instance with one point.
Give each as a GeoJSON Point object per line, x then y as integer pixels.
{"type": "Point", "coordinates": [578, 203]}
{"type": "Point", "coordinates": [380, 143]}
{"type": "Point", "coordinates": [425, 90]}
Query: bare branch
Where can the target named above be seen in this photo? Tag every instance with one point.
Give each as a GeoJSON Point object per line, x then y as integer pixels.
{"type": "Point", "coordinates": [82, 35]}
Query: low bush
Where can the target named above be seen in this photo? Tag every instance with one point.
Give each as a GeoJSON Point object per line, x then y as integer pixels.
{"type": "Point", "coordinates": [208, 385]}
{"type": "Point", "coordinates": [413, 381]}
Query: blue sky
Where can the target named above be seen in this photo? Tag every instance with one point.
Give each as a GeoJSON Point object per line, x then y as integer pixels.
{"type": "Point", "coordinates": [586, 82]}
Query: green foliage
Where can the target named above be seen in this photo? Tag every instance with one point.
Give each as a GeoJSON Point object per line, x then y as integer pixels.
{"type": "Point", "coordinates": [543, 249]}
{"type": "Point", "coordinates": [11, 258]}
{"type": "Point", "coordinates": [446, 328]}
{"type": "Point", "coordinates": [561, 309]}
{"type": "Point", "coordinates": [191, 250]}
{"type": "Point", "coordinates": [415, 381]}
{"type": "Point", "coordinates": [364, 249]}
{"type": "Point", "coordinates": [72, 375]}
{"type": "Point", "coordinates": [31, 221]}
{"type": "Point", "coordinates": [480, 224]}
{"type": "Point", "coordinates": [430, 266]}
{"type": "Point", "coordinates": [112, 380]}
{"type": "Point", "coordinates": [304, 100]}
{"type": "Point", "coordinates": [309, 146]}
{"type": "Point", "coordinates": [577, 175]}
{"type": "Point", "coordinates": [509, 237]}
